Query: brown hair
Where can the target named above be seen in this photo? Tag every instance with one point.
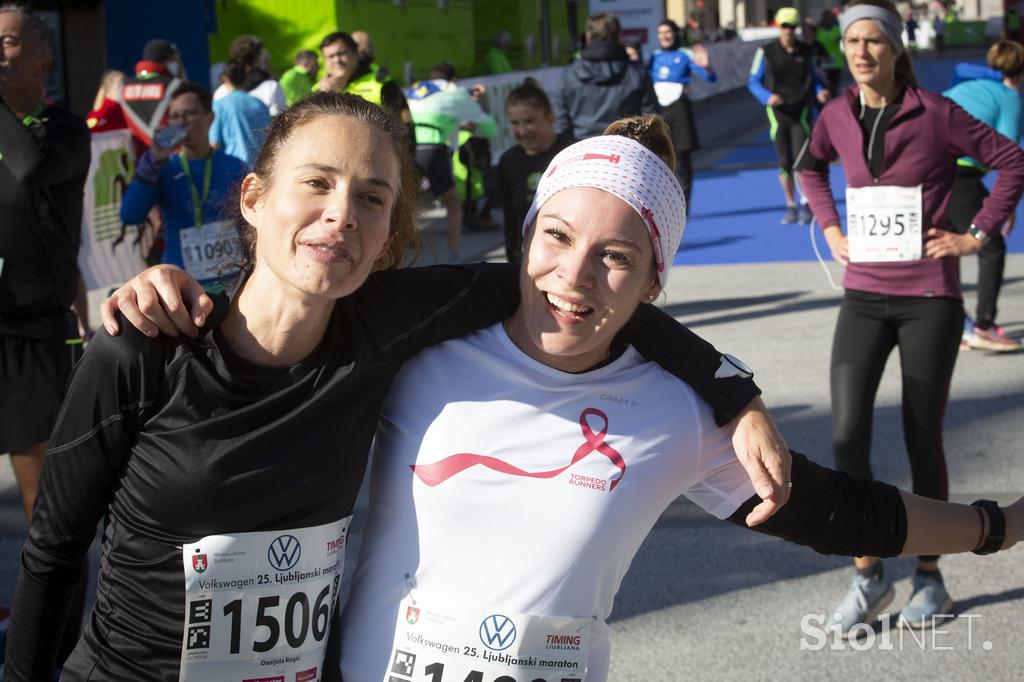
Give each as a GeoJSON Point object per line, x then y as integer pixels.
{"type": "Point", "coordinates": [1007, 56]}
{"type": "Point", "coordinates": [651, 131]}
{"type": "Point", "coordinates": [403, 233]}
{"type": "Point", "coordinates": [531, 93]}
{"type": "Point", "coordinates": [604, 27]}
{"type": "Point", "coordinates": [904, 68]}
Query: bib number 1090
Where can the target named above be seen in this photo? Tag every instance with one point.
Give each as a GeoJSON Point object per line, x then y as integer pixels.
{"type": "Point", "coordinates": [295, 620]}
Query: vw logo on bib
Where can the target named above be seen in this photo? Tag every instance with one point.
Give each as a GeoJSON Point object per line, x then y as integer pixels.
{"type": "Point", "coordinates": [497, 632]}
{"type": "Point", "coordinates": [284, 552]}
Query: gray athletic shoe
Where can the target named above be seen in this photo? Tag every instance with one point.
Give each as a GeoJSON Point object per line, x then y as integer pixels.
{"type": "Point", "coordinates": [805, 214]}
{"type": "Point", "coordinates": [863, 603]}
{"type": "Point", "coordinates": [929, 604]}
{"type": "Point", "coordinates": [789, 217]}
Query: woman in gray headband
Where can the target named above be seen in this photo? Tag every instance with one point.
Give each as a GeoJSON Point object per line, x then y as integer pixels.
{"type": "Point", "coordinates": [898, 145]}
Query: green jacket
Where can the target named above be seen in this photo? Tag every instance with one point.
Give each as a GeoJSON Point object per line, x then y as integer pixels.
{"type": "Point", "coordinates": [296, 84]}
{"type": "Point", "coordinates": [495, 61]}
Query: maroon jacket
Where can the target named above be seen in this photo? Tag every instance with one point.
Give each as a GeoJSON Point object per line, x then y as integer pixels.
{"type": "Point", "coordinates": [922, 143]}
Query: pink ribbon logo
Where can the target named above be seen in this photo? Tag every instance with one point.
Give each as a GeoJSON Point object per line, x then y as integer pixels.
{"type": "Point", "coordinates": [440, 471]}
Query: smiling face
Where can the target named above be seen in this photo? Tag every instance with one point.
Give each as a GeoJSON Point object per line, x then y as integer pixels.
{"type": "Point", "coordinates": [532, 127]}
{"type": "Point", "coordinates": [871, 58]}
{"type": "Point", "coordinates": [325, 217]}
{"type": "Point", "coordinates": [588, 262]}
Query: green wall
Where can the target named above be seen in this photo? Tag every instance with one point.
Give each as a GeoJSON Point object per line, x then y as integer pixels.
{"type": "Point", "coordinates": [423, 32]}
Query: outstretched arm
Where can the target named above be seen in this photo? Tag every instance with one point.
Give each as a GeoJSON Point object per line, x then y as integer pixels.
{"type": "Point", "coordinates": [835, 513]}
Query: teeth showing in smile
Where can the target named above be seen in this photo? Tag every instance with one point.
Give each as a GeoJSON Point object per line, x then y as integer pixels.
{"type": "Point", "coordinates": [567, 306]}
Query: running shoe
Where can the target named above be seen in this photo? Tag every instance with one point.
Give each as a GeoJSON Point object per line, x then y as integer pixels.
{"type": "Point", "coordinates": [790, 216]}
{"type": "Point", "coordinates": [993, 338]}
{"type": "Point", "coordinates": [929, 603]}
{"type": "Point", "coordinates": [805, 214]}
{"type": "Point", "coordinates": [968, 334]}
{"type": "Point", "coordinates": [863, 603]}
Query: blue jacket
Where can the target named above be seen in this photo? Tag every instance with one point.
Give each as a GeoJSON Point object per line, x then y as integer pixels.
{"type": "Point", "coordinates": [167, 186]}
{"type": "Point", "coordinates": [671, 71]}
{"type": "Point", "coordinates": [993, 104]}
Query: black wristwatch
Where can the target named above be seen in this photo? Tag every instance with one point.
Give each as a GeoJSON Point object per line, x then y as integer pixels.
{"type": "Point", "coordinates": [977, 233]}
{"type": "Point", "coordinates": [996, 527]}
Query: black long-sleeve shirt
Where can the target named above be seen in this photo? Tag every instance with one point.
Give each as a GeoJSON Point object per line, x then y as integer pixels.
{"type": "Point", "coordinates": [42, 175]}
{"type": "Point", "coordinates": [171, 440]}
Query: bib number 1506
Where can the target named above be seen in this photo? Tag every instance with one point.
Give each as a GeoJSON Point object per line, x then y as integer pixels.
{"type": "Point", "coordinates": [296, 623]}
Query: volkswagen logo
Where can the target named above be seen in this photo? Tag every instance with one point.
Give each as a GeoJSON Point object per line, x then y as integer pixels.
{"type": "Point", "coordinates": [497, 632]}
{"type": "Point", "coordinates": [284, 552]}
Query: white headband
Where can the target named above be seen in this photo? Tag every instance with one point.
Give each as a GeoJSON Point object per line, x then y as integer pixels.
{"type": "Point", "coordinates": [887, 22]}
{"type": "Point", "coordinates": [632, 172]}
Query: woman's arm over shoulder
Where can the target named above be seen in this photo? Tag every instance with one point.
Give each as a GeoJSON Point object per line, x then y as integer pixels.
{"type": "Point", "coordinates": [725, 384]}
{"type": "Point", "coordinates": [108, 396]}
{"type": "Point", "coordinates": [409, 309]}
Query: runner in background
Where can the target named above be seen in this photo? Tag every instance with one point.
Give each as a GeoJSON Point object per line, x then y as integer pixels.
{"type": "Point", "coordinates": [671, 69]}
{"type": "Point", "coordinates": [44, 161]}
{"type": "Point", "coordinates": [146, 96]}
{"type": "Point", "coordinates": [255, 77]}
{"type": "Point", "coordinates": [783, 79]}
{"type": "Point", "coordinates": [367, 54]}
{"type": "Point", "coordinates": [603, 84]}
{"type": "Point", "coordinates": [439, 107]}
{"type": "Point", "coordinates": [297, 82]}
{"type": "Point", "coordinates": [998, 104]}
{"type": "Point", "coordinates": [828, 37]}
{"type": "Point", "coordinates": [531, 120]}
{"type": "Point", "coordinates": [192, 188]}
{"type": "Point", "coordinates": [240, 121]}
{"type": "Point", "coordinates": [898, 144]}
{"type": "Point", "coordinates": [106, 113]}
{"type": "Point", "coordinates": [345, 73]}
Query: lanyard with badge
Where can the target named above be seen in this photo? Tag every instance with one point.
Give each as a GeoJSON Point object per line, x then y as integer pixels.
{"type": "Point", "coordinates": [449, 640]}
{"type": "Point", "coordinates": [258, 606]}
{"type": "Point", "coordinates": [205, 246]}
{"type": "Point", "coordinates": [29, 119]}
{"type": "Point", "coordinates": [884, 223]}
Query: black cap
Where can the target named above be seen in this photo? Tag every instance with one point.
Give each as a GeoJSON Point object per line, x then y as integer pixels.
{"type": "Point", "coordinates": [159, 50]}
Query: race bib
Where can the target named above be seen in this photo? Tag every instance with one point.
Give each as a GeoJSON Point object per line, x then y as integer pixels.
{"type": "Point", "coordinates": [443, 641]}
{"type": "Point", "coordinates": [883, 223]}
{"type": "Point", "coordinates": [206, 248]}
{"type": "Point", "coordinates": [258, 606]}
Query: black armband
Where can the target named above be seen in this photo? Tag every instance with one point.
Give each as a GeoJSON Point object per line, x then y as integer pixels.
{"type": "Point", "coordinates": [835, 513]}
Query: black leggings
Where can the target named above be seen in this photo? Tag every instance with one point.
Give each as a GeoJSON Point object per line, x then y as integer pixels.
{"type": "Point", "coordinates": [927, 331]}
{"type": "Point", "coordinates": [964, 203]}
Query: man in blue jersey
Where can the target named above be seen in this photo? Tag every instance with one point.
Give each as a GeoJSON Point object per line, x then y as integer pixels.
{"type": "Point", "coordinates": [192, 183]}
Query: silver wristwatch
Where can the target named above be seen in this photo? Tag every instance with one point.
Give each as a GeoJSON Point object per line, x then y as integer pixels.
{"type": "Point", "coordinates": [977, 233]}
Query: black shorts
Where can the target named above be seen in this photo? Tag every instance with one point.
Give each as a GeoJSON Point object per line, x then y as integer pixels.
{"type": "Point", "coordinates": [435, 162]}
{"type": "Point", "coordinates": [33, 377]}
{"type": "Point", "coordinates": [789, 129]}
